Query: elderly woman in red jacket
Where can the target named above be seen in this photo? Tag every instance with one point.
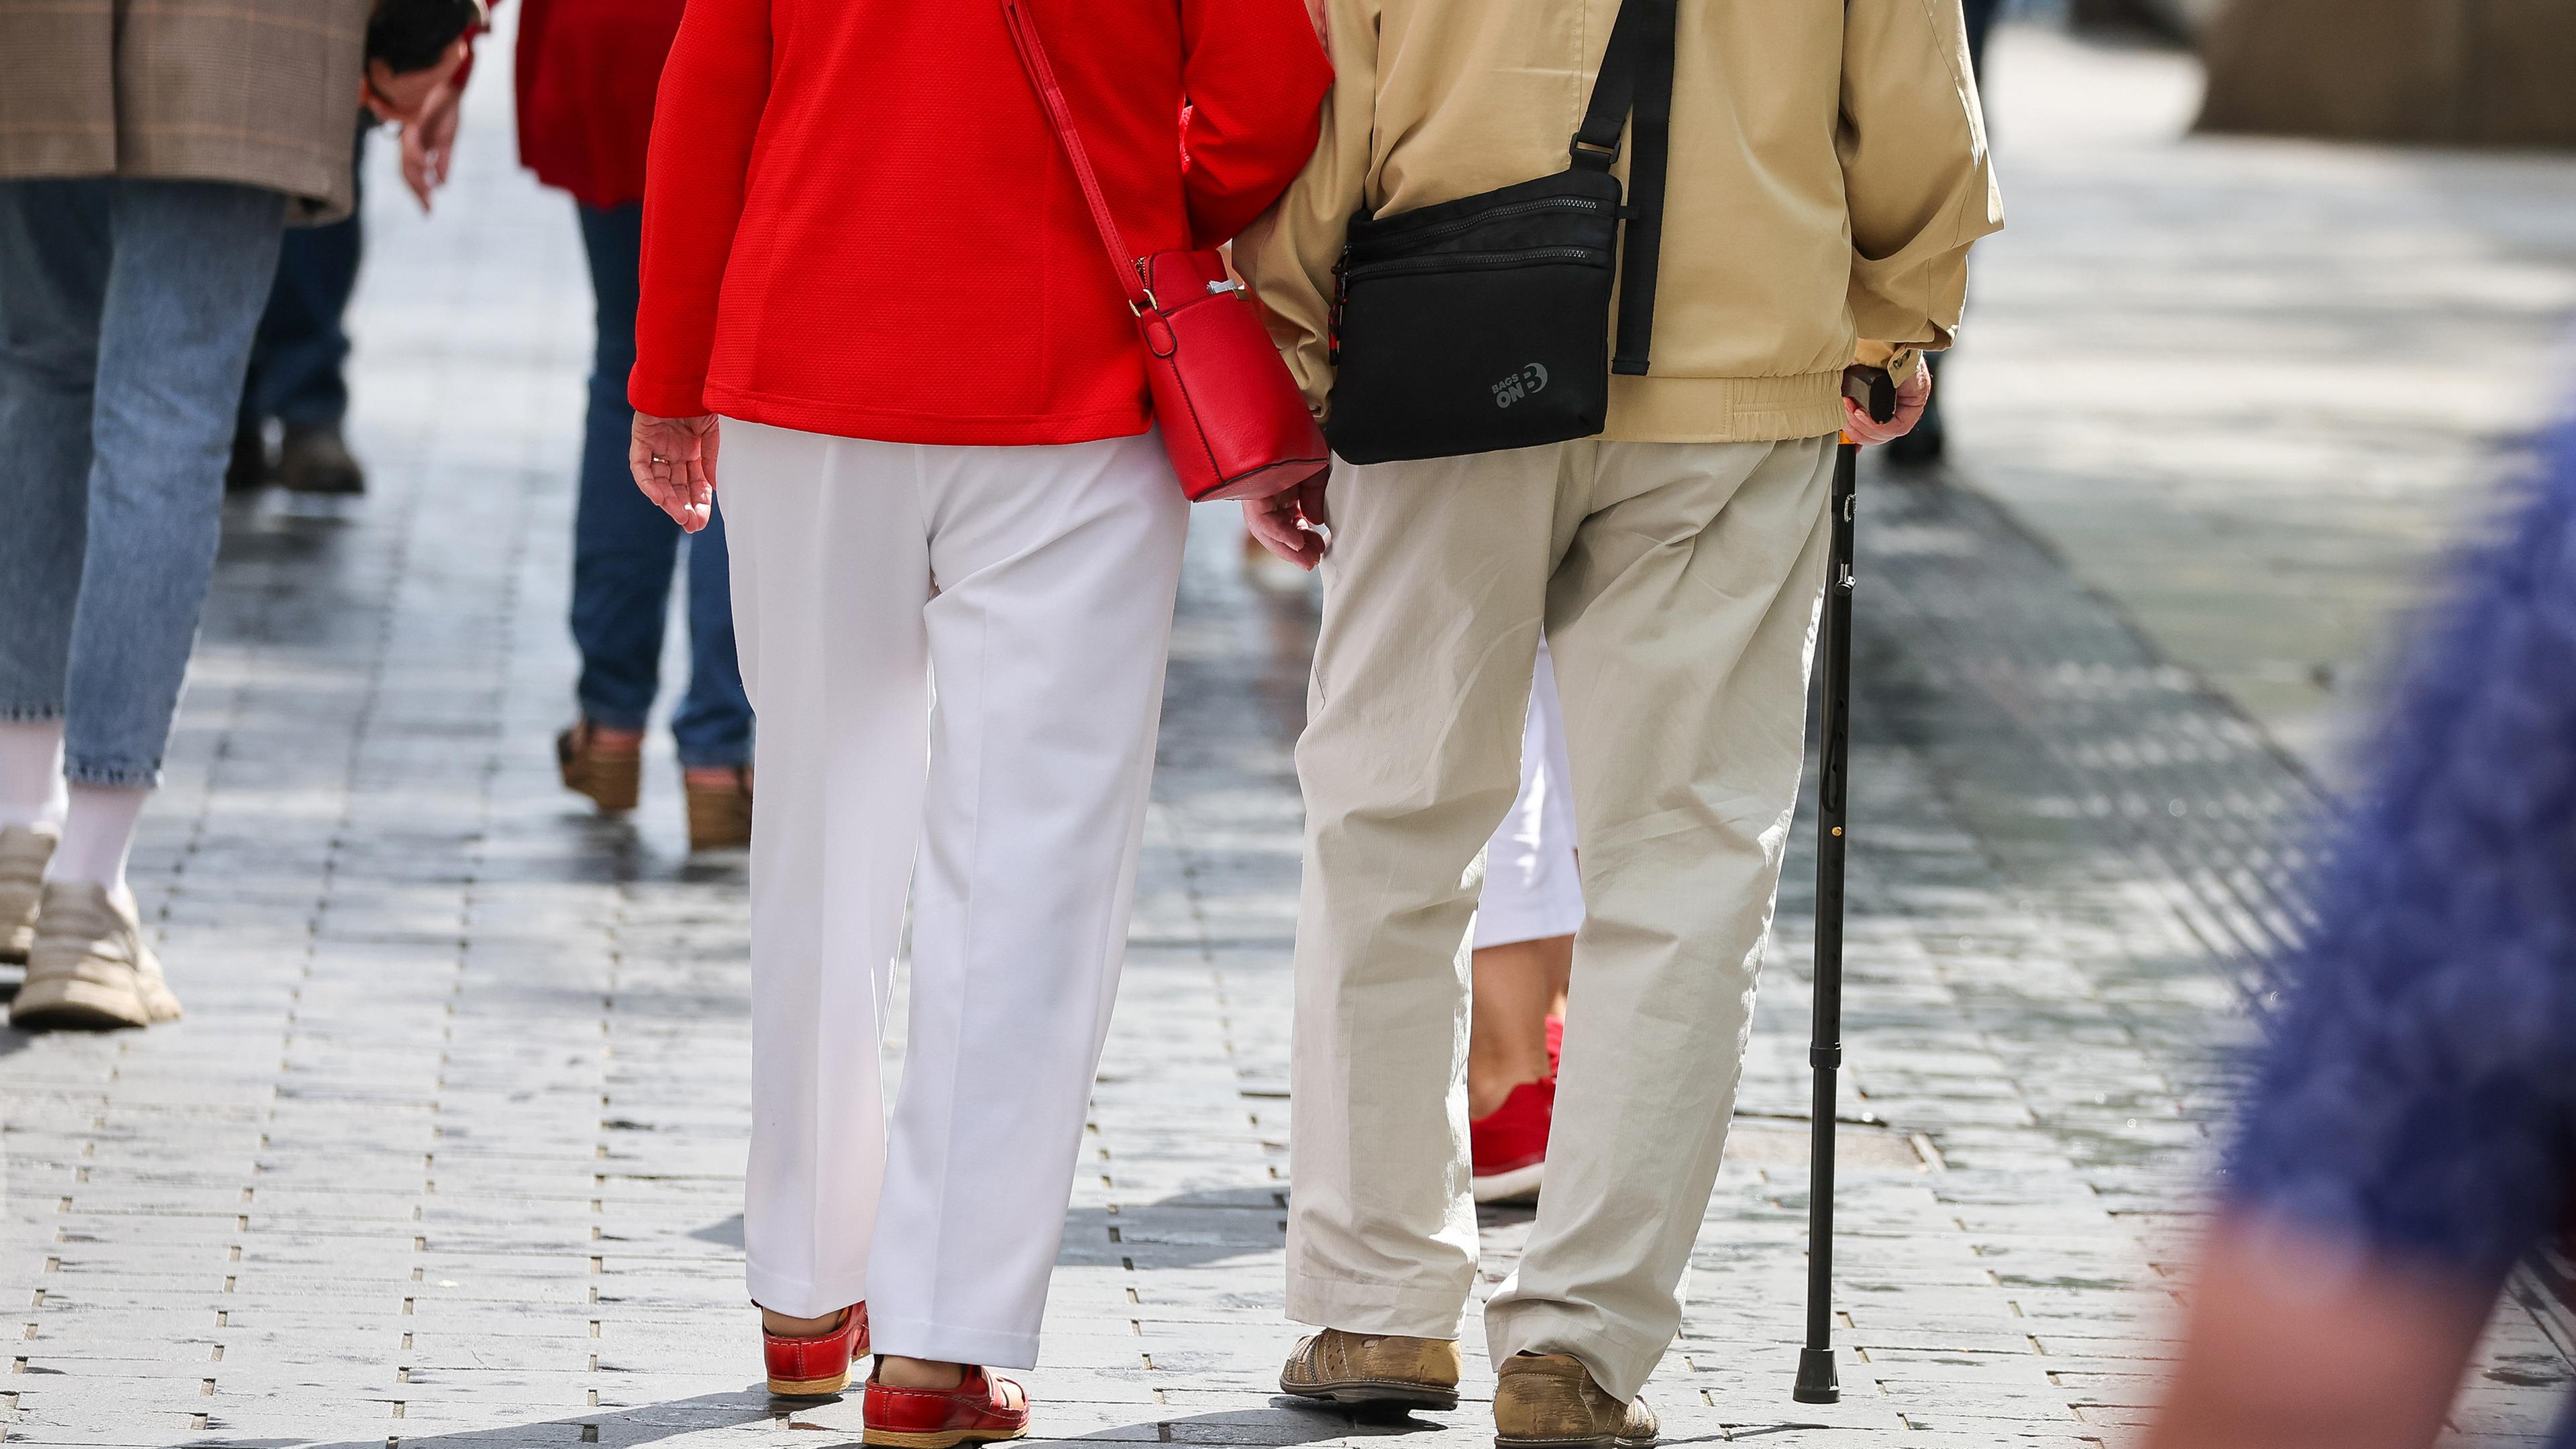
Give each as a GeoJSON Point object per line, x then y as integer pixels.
{"type": "Point", "coordinates": [870, 276]}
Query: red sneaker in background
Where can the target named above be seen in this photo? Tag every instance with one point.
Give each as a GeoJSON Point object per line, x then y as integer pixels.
{"type": "Point", "coordinates": [1508, 1147]}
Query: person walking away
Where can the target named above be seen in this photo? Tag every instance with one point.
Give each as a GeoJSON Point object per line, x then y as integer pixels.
{"type": "Point", "coordinates": [588, 70]}
{"type": "Point", "coordinates": [2410, 1134]}
{"type": "Point", "coordinates": [1828, 175]}
{"type": "Point", "coordinates": [299, 357]}
{"type": "Point", "coordinates": [1527, 912]}
{"type": "Point", "coordinates": [148, 169]}
{"type": "Point", "coordinates": [877, 320]}
{"type": "Point", "coordinates": [1929, 439]}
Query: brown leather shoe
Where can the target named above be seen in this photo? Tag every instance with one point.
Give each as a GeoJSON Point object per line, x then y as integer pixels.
{"type": "Point", "coordinates": [1373, 1369]}
{"type": "Point", "coordinates": [611, 778]}
{"type": "Point", "coordinates": [719, 815]}
{"type": "Point", "coordinates": [1549, 1401]}
{"type": "Point", "coordinates": [315, 459]}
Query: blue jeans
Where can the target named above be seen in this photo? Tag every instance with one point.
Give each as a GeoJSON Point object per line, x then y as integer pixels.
{"type": "Point", "coordinates": [624, 548]}
{"type": "Point", "coordinates": [297, 362]}
{"type": "Point", "coordinates": [126, 313]}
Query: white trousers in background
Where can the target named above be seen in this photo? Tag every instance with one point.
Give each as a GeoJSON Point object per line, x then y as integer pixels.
{"type": "Point", "coordinates": [1036, 586]}
{"type": "Point", "coordinates": [1532, 892]}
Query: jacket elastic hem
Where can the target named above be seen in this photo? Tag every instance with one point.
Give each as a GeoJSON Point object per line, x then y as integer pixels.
{"type": "Point", "coordinates": [952, 1343]}
{"type": "Point", "coordinates": [667, 399]}
{"type": "Point", "coordinates": [1724, 409]}
{"type": "Point", "coordinates": [805, 415]}
{"type": "Point", "coordinates": [1354, 1306]}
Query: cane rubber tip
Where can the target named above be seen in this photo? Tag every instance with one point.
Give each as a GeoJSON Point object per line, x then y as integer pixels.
{"type": "Point", "coordinates": [1817, 1381]}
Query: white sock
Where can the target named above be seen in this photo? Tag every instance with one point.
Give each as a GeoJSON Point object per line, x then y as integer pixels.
{"type": "Point", "coordinates": [98, 830]}
{"type": "Point", "coordinates": [31, 772]}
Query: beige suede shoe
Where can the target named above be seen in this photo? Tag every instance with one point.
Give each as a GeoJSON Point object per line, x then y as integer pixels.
{"type": "Point", "coordinates": [89, 969]}
{"type": "Point", "coordinates": [24, 849]}
{"type": "Point", "coordinates": [1381, 1370]}
{"type": "Point", "coordinates": [1549, 1401]}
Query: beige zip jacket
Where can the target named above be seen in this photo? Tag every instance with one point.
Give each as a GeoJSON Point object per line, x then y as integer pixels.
{"type": "Point", "coordinates": [1829, 171]}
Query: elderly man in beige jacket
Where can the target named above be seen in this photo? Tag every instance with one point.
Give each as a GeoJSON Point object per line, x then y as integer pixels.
{"type": "Point", "coordinates": [151, 157]}
{"type": "Point", "coordinates": [1828, 172]}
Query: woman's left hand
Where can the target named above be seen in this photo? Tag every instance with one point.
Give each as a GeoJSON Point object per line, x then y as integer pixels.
{"type": "Point", "coordinates": [674, 462]}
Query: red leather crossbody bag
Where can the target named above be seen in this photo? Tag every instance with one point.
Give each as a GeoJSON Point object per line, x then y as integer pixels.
{"type": "Point", "coordinates": [1232, 418]}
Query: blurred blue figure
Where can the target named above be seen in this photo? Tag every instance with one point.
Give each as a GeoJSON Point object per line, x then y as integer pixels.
{"type": "Point", "coordinates": [2412, 1129]}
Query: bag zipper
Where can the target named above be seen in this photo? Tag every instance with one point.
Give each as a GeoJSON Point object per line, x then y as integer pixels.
{"type": "Point", "coordinates": [1464, 261]}
{"type": "Point", "coordinates": [1518, 208]}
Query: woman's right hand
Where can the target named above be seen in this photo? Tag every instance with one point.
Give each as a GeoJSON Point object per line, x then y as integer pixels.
{"type": "Point", "coordinates": [674, 462]}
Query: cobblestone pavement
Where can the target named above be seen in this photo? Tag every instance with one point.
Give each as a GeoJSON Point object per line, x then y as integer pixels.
{"type": "Point", "coordinates": [448, 1149]}
{"type": "Point", "coordinates": [2252, 387]}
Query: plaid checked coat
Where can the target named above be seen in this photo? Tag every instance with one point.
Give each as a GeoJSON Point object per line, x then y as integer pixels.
{"type": "Point", "coordinates": [259, 92]}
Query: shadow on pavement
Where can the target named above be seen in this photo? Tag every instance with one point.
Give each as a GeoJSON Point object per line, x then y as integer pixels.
{"type": "Point", "coordinates": [1284, 1423]}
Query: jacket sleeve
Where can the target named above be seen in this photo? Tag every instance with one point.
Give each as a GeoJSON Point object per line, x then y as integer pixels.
{"type": "Point", "coordinates": [1916, 174]}
{"type": "Point", "coordinates": [704, 119]}
{"type": "Point", "coordinates": [1253, 74]}
{"type": "Point", "coordinates": [1288, 253]}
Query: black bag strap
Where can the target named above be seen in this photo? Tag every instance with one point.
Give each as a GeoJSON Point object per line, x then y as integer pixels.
{"type": "Point", "coordinates": [1636, 76]}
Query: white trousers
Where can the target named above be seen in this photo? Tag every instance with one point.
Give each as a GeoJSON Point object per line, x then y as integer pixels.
{"type": "Point", "coordinates": [1035, 585]}
{"type": "Point", "coordinates": [1532, 892]}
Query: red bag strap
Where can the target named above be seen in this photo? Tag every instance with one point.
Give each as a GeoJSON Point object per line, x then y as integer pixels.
{"type": "Point", "coordinates": [1033, 59]}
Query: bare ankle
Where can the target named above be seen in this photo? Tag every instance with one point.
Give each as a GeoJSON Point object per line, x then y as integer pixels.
{"type": "Point", "coordinates": [780, 1325]}
{"type": "Point", "coordinates": [896, 1371]}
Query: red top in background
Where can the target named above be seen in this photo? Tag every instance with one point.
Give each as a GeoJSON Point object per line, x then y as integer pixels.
{"type": "Point", "coordinates": [858, 222]}
{"type": "Point", "coordinates": [587, 73]}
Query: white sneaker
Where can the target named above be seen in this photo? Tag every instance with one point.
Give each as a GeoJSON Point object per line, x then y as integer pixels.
{"type": "Point", "coordinates": [89, 968]}
{"type": "Point", "coordinates": [24, 850]}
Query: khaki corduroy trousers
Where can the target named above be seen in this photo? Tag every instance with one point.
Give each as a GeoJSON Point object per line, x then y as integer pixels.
{"type": "Point", "coordinates": [1677, 585]}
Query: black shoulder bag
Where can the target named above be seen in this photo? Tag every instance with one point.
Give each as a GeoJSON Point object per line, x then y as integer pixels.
{"type": "Point", "coordinates": [1481, 323]}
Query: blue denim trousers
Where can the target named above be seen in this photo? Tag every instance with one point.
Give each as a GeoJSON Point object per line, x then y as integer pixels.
{"type": "Point", "coordinates": [625, 549]}
{"type": "Point", "coordinates": [126, 313]}
{"type": "Point", "coordinates": [299, 360]}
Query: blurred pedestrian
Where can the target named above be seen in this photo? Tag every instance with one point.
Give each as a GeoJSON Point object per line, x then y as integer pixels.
{"type": "Point", "coordinates": [864, 247]}
{"type": "Point", "coordinates": [588, 70]}
{"type": "Point", "coordinates": [299, 357]}
{"type": "Point", "coordinates": [1930, 437]}
{"type": "Point", "coordinates": [2411, 1133]}
{"type": "Point", "coordinates": [148, 168]}
{"type": "Point", "coordinates": [1818, 218]}
{"type": "Point", "coordinates": [1527, 912]}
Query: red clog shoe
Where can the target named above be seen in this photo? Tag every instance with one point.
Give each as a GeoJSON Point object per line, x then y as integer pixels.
{"type": "Point", "coordinates": [817, 1367]}
{"type": "Point", "coordinates": [1507, 1148]}
{"type": "Point", "coordinates": [980, 1410]}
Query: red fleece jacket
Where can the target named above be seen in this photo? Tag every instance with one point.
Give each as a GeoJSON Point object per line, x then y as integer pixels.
{"type": "Point", "coordinates": [856, 220]}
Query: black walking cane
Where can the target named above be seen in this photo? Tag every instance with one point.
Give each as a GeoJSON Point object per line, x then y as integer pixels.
{"type": "Point", "coordinates": [1817, 1381]}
